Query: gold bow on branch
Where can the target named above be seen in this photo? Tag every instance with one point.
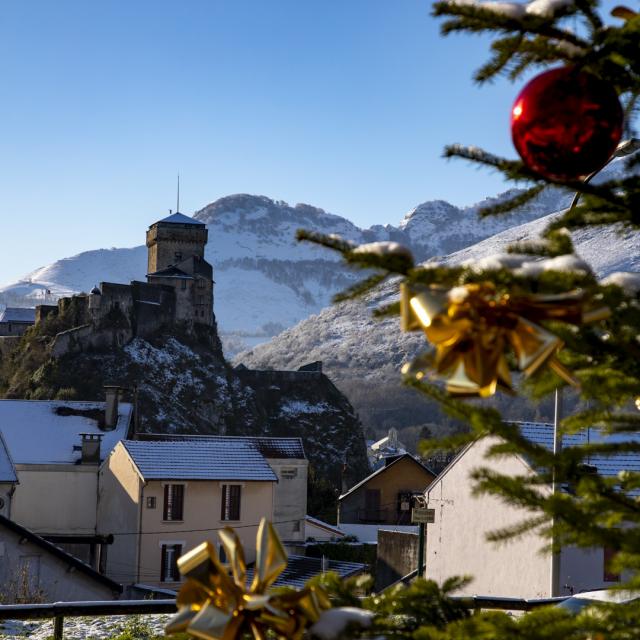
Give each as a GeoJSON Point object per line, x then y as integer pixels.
{"type": "Point", "coordinates": [472, 328]}
{"type": "Point", "coordinates": [215, 603]}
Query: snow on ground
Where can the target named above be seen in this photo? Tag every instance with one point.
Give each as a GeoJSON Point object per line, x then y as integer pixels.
{"type": "Point", "coordinates": [81, 628]}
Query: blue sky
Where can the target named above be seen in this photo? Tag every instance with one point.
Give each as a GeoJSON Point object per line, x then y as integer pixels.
{"type": "Point", "coordinates": [343, 104]}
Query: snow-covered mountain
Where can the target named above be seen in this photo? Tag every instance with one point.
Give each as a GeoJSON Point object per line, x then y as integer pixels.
{"type": "Point", "coordinates": [265, 280]}
{"type": "Point", "coordinates": [364, 356]}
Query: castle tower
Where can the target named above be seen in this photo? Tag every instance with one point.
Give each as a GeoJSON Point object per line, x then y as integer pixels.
{"type": "Point", "coordinates": [173, 239]}
{"type": "Point", "coordinates": [176, 258]}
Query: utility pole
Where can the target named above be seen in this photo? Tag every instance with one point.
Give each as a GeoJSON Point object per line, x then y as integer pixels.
{"type": "Point", "coordinates": [554, 587]}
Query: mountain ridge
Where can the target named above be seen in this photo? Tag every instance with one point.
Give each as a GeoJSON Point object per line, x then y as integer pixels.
{"type": "Point", "coordinates": [257, 260]}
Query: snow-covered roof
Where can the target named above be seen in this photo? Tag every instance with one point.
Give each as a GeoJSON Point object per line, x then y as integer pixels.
{"type": "Point", "coordinates": [542, 433]}
{"type": "Point", "coordinates": [179, 218]}
{"type": "Point", "coordinates": [46, 431]}
{"type": "Point", "coordinates": [199, 460]}
{"type": "Point", "coordinates": [18, 314]}
{"type": "Point", "coordinates": [269, 447]}
{"type": "Point", "coordinates": [7, 470]}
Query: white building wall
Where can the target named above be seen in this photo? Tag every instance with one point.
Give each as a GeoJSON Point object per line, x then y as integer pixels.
{"type": "Point", "coordinates": [56, 498]}
{"type": "Point", "coordinates": [457, 544]}
{"type": "Point", "coordinates": [290, 498]}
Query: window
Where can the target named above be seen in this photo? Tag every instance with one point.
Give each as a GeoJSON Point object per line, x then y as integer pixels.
{"type": "Point", "coordinates": [183, 284]}
{"type": "Point", "coordinates": [607, 573]}
{"type": "Point", "coordinates": [200, 299]}
{"type": "Point", "coordinates": [151, 502]}
{"type": "Point", "coordinates": [177, 255]}
{"type": "Point", "coordinates": [169, 561]}
{"type": "Point", "coordinates": [289, 474]}
{"type": "Point", "coordinates": [296, 526]}
{"type": "Point", "coordinates": [230, 502]}
{"type": "Point", "coordinates": [201, 284]}
{"type": "Point", "coordinates": [173, 502]}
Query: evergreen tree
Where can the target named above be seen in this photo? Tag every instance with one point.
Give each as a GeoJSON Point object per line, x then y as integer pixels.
{"type": "Point", "coordinates": [602, 356]}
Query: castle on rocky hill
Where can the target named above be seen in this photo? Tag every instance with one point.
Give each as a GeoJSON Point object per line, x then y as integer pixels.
{"type": "Point", "coordinates": [178, 293]}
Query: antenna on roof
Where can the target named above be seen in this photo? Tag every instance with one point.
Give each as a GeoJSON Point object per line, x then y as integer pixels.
{"type": "Point", "coordinates": [178, 199]}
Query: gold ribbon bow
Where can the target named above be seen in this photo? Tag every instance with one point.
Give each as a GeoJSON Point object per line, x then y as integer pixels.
{"type": "Point", "coordinates": [215, 604]}
{"type": "Point", "coordinates": [473, 327]}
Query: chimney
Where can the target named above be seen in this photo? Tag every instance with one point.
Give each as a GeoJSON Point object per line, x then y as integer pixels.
{"type": "Point", "coordinates": [90, 448]}
{"type": "Point", "coordinates": [112, 397]}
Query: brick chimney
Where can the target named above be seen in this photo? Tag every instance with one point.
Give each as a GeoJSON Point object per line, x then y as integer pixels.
{"type": "Point", "coordinates": [112, 397]}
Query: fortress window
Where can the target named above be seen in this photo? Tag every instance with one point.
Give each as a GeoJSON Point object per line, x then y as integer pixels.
{"type": "Point", "coordinates": [200, 299]}
{"type": "Point", "coordinates": [200, 284]}
{"type": "Point", "coordinates": [183, 284]}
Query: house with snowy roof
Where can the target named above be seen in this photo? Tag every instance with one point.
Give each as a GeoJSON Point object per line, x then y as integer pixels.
{"type": "Point", "coordinates": [159, 499]}
{"type": "Point", "coordinates": [56, 448]}
{"type": "Point", "coordinates": [457, 540]}
{"type": "Point", "coordinates": [14, 321]}
{"type": "Point", "coordinates": [286, 456]}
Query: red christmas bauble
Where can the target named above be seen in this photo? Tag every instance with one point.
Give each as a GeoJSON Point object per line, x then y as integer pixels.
{"type": "Point", "coordinates": [566, 123]}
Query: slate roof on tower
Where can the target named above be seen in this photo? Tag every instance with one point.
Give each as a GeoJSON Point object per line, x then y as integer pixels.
{"type": "Point", "coordinates": [179, 218]}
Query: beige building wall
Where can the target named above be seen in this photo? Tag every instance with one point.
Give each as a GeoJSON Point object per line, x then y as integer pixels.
{"type": "Point", "coordinates": [56, 498]}
{"type": "Point", "coordinates": [119, 514]}
{"type": "Point", "coordinates": [124, 510]}
{"type": "Point", "coordinates": [403, 476]}
{"type": "Point", "coordinates": [456, 542]}
{"type": "Point", "coordinates": [202, 511]}
{"type": "Point", "coordinates": [290, 501]}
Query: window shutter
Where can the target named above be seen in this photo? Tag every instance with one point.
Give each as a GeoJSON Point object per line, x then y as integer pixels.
{"type": "Point", "coordinates": [165, 508]}
{"type": "Point", "coordinates": [163, 561]}
{"type": "Point", "coordinates": [177, 552]}
{"type": "Point", "coordinates": [234, 508]}
{"type": "Point", "coordinates": [223, 504]}
{"type": "Point", "coordinates": [178, 501]}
